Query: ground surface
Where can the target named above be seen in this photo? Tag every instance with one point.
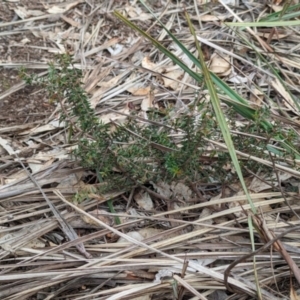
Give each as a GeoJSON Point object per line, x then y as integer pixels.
{"type": "Point", "coordinates": [163, 225]}
{"type": "Point", "coordinates": [26, 105]}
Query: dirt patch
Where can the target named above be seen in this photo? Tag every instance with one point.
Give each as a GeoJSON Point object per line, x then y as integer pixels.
{"type": "Point", "coordinates": [19, 47]}
{"type": "Point", "coordinates": [24, 106]}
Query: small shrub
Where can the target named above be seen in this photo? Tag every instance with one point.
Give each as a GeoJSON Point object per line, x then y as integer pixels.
{"type": "Point", "coordinates": [135, 152]}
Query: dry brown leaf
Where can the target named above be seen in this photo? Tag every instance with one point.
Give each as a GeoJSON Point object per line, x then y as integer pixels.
{"type": "Point", "coordinates": [134, 234]}
{"type": "Point", "coordinates": [172, 78]}
{"type": "Point", "coordinates": [149, 232]}
{"type": "Point", "coordinates": [142, 234]}
{"type": "Point", "coordinates": [101, 215]}
{"type": "Point", "coordinates": [206, 211]}
{"type": "Point", "coordinates": [24, 13]}
{"type": "Point", "coordinates": [257, 185]}
{"type": "Point", "coordinates": [288, 101]}
{"type": "Point", "coordinates": [220, 64]}
{"type": "Point", "coordinates": [107, 118]}
{"type": "Point", "coordinates": [60, 9]}
{"type": "Point", "coordinates": [139, 90]}
{"type": "Point", "coordinates": [148, 64]}
{"type": "Point", "coordinates": [176, 189]}
{"type": "Point", "coordinates": [72, 180]}
{"type": "Point", "coordinates": [276, 7]}
{"type": "Point", "coordinates": [212, 18]}
{"type": "Point", "coordinates": [110, 83]}
{"type": "Point", "coordinates": [276, 36]}
{"type": "Point", "coordinates": [38, 166]}
{"type": "Point", "coordinates": [256, 98]}
{"type": "Point", "coordinates": [235, 78]}
{"type": "Point", "coordinates": [148, 102]}
{"type": "Point", "coordinates": [143, 200]}
{"type": "Point", "coordinates": [136, 12]}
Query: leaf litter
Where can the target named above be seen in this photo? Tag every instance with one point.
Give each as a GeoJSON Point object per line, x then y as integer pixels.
{"type": "Point", "coordinates": [174, 239]}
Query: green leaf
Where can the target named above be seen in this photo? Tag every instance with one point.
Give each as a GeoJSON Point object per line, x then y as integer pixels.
{"type": "Point", "coordinates": [236, 99]}
{"type": "Point", "coordinates": [220, 116]}
{"type": "Point", "coordinates": [263, 24]}
{"type": "Point", "coordinates": [210, 80]}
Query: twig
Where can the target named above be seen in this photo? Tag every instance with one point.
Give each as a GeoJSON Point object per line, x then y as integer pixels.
{"type": "Point", "coordinates": [67, 229]}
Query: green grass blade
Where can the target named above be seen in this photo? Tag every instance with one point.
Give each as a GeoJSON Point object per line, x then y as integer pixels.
{"type": "Point", "coordinates": [220, 116]}
{"type": "Point", "coordinates": [244, 109]}
{"type": "Point", "coordinates": [266, 125]}
{"type": "Point", "coordinates": [264, 24]}
{"type": "Point", "coordinates": [112, 210]}
{"type": "Point", "coordinates": [159, 46]}
{"type": "Point", "coordinates": [291, 12]}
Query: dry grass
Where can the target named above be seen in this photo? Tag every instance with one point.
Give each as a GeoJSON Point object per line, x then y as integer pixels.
{"type": "Point", "coordinates": [193, 240]}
